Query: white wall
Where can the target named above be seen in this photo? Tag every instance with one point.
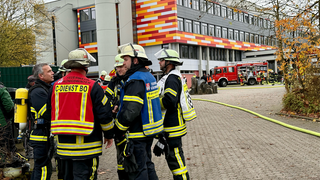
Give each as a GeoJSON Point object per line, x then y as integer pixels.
{"type": "Point", "coordinates": [125, 22]}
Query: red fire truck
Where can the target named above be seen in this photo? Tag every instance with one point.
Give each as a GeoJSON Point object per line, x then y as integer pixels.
{"type": "Point", "coordinates": [225, 75]}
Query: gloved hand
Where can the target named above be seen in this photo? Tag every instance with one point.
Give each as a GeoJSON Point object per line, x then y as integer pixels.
{"type": "Point", "coordinates": [161, 146]}
{"type": "Point", "coordinates": [129, 161]}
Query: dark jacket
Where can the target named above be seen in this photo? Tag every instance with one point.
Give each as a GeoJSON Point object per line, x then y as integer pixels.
{"type": "Point", "coordinates": [171, 102]}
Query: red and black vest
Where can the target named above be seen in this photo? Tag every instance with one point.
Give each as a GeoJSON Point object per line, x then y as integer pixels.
{"type": "Point", "coordinates": [72, 106]}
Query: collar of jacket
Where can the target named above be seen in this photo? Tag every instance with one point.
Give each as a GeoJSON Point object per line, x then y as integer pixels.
{"type": "Point", "coordinates": [38, 81]}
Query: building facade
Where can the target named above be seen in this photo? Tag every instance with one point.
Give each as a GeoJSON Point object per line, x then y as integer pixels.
{"type": "Point", "coordinates": [205, 33]}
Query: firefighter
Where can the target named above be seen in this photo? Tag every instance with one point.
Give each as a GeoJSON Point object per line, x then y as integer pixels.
{"type": "Point", "coordinates": [40, 139]}
{"type": "Point", "coordinates": [102, 77]}
{"type": "Point", "coordinates": [209, 79]}
{"type": "Point", "coordinates": [80, 112]}
{"type": "Point", "coordinates": [241, 78]}
{"type": "Point", "coordinates": [172, 100]}
{"type": "Point", "coordinates": [259, 77]}
{"type": "Point", "coordinates": [113, 92]}
{"type": "Point", "coordinates": [139, 115]}
{"type": "Point", "coordinates": [271, 77]}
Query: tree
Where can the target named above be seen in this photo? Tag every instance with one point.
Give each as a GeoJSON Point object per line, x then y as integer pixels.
{"type": "Point", "coordinates": [22, 31]}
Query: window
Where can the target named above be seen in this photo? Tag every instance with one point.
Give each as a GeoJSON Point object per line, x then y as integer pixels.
{"type": "Point", "coordinates": [230, 12]}
{"type": "Point", "coordinates": [95, 55]}
{"type": "Point", "coordinates": [217, 10]}
{"type": "Point", "coordinates": [268, 24]}
{"type": "Point", "coordinates": [223, 11]}
{"type": "Point", "coordinates": [212, 53]}
{"type": "Point", "coordinates": [180, 24]}
{"type": "Point", "coordinates": [204, 29]}
{"type": "Point", "coordinates": [236, 15]}
{"type": "Point", "coordinates": [261, 40]}
{"type": "Point", "coordinates": [217, 71]}
{"type": "Point", "coordinates": [224, 33]}
{"type": "Point", "coordinates": [247, 37]}
{"type": "Point", "coordinates": [260, 22]}
{"type": "Point", "coordinates": [84, 15]}
{"type": "Point", "coordinates": [204, 53]}
{"type": "Point", "coordinates": [255, 20]}
{"type": "Point", "coordinates": [184, 52]}
{"type": "Point", "coordinates": [236, 35]}
{"type": "Point", "coordinates": [94, 36]}
{"type": "Point", "coordinates": [251, 19]}
{"type": "Point", "coordinates": [195, 4]}
{"type": "Point", "coordinates": [189, 52]}
{"type": "Point", "coordinates": [210, 8]}
{"type": "Point", "coordinates": [224, 70]}
{"type": "Point", "coordinates": [230, 69]}
{"type": "Point", "coordinates": [187, 3]}
{"type": "Point", "coordinates": [246, 18]}
{"type": "Point", "coordinates": [230, 33]}
{"type": "Point", "coordinates": [85, 37]}
{"type": "Point", "coordinates": [165, 46]}
{"type": "Point", "coordinates": [179, 2]}
{"type": "Point", "coordinates": [256, 39]}
{"type": "Point", "coordinates": [237, 55]}
{"type": "Point", "coordinates": [211, 30]}
{"type": "Point", "coordinates": [87, 14]}
{"type": "Point", "coordinates": [251, 38]}
{"type": "Point", "coordinates": [266, 41]}
{"type": "Point", "coordinates": [93, 13]}
{"type": "Point", "coordinates": [241, 16]}
{"type": "Point", "coordinates": [218, 31]}
{"type": "Point", "coordinates": [203, 6]}
{"type": "Point", "coordinates": [193, 52]}
{"type": "Point", "coordinates": [241, 36]}
{"type": "Point", "coordinates": [265, 23]}
{"type": "Point", "coordinates": [88, 37]}
{"type": "Point", "coordinates": [196, 27]}
{"type": "Point", "coordinates": [188, 25]}
{"type": "Point", "coordinates": [230, 55]}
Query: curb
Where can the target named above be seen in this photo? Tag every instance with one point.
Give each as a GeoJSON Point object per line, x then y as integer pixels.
{"type": "Point", "coordinates": [301, 117]}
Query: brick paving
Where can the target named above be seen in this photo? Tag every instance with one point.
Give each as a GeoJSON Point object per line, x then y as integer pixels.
{"type": "Point", "coordinates": [225, 143]}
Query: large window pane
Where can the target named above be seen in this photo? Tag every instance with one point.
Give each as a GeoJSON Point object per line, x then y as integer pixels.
{"type": "Point", "coordinates": [251, 38]}
{"type": "Point", "coordinates": [179, 2]}
{"type": "Point", "coordinates": [218, 31]}
{"type": "Point", "coordinates": [204, 29]}
{"type": "Point", "coordinates": [193, 52]}
{"type": "Point", "coordinates": [224, 33]}
{"type": "Point", "coordinates": [85, 37]}
{"type": "Point", "coordinates": [223, 11]}
{"type": "Point", "coordinates": [211, 30]}
{"type": "Point", "coordinates": [93, 13]}
{"type": "Point", "coordinates": [196, 27]}
{"type": "Point", "coordinates": [184, 51]}
{"type": "Point", "coordinates": [210, 8]}
{"type": "Point", "coordinates": [84, 15]}
{"type": "Point", "coordinates": [246, 18]}
{"type": "Point", "coordinates": [230, 33]}
{"type": "Point", "coordinates": [241, 16]}
{"type": "Point", "coordinates": [236, 35]}
{"type": "Point", "coordinates": [187, 3]}
{"type": "Point", "coordinates": [242, 36]}
{"type": "Point", "coordinates": [195, 4]}
{"type": "Point", "coordinates": [247, 37]}
{"type": "Point", "coordinates": [180, 24]}
{"type": "Point", "coordinates": [217, 10]}
{"type": "Point", "coordinates": [236, 15]}
{"type": "Point", "coordinates": [94, 36]}
{"type": "Point", "coordinates": [230, 12]}
{"type": "Point", "coordinates": [188, 25]}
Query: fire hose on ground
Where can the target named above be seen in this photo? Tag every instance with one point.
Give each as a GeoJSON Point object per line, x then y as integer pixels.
{"type": "Point", "coordinates": [263, 117]}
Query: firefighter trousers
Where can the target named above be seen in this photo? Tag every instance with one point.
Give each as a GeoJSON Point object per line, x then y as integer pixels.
{"type": "Point", "coordinates": [42, 161]}
{"type": "Point", "coordinates": [175, 159]}
{"type": "Point", "coordinates": [122, 175]}
{"type": "Point", "coordinates": [142, 153]}
{"type": "Point", "coordinates": [84, 169]}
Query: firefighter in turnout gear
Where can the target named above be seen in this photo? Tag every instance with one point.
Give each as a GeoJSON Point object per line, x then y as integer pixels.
{"type": "Point", "coordinates": [139, 115]}
{"type": "Point", "coordinates": [241, 78]}
{"type": "Point", "coordinates": [40, 139]}
{"type": "Point", "coordinates": [176, 108]}
{"type": "Point", "coordinates": [113, 92]}
{"type": "Point", "coordinates": [80, 112]}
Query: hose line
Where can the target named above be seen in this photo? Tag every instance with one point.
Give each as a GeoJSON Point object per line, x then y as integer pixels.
{"type": "Point", "coordinates": [263, 117]}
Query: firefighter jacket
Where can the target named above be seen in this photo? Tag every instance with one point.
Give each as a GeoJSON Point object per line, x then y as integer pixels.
{"type": "Point", "coordinates": [38, 95]}
{"type": "Point", "coordinates": [176, 104]}
{"type": "Point", "coordinates": [79, 113]}
{"type": "Point", "coordinates": [113, 90]}
{"type": "Point", "coordinates": [140, 111]}
{"type": "Point", "coordinates": [6, 103]}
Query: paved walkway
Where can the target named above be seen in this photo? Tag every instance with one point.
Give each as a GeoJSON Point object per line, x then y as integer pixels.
{"type": "Point", "coordinates": [226, 143]}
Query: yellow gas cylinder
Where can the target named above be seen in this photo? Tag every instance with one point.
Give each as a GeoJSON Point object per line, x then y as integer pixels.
{"type": "Point", "coordinates": [21, 106]}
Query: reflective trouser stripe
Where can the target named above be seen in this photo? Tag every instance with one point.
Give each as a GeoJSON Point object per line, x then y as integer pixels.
{"type": "Point", "coordinates": [94, 168]}
{"type": "Point", "coordinates": [183, 169]}
{"type": "Point", "coordinates": [120, 167]}
{"type": "Point", "coordinates": [44, 172]}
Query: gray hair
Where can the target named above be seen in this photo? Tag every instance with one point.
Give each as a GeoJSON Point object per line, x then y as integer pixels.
{"type": "Point", "coordinates": [37, 69]}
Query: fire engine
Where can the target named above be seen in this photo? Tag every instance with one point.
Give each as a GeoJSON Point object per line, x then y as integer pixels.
{"type": "Point", "coordinates": [225, 75]}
